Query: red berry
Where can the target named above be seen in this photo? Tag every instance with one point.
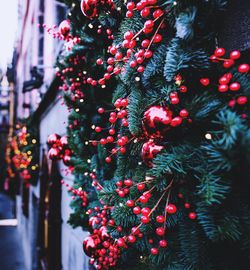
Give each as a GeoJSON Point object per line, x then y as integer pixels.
{"type": "Point", "coordinates": [157, 38]}
{"type": "Point", "coordinates": [98, 129]}
{"type": "Point", "coordinates": [235, 55]}
{"type": "Point", "coordinates": [119, 183]}
{"type": "Point", "coordinates": [133, 64]}
{"type": "Point", "coordinates": [157, 13]}
{"type": "Point", "coordinates": [111, 61]}
{"type": "Point", "coordinates": [118, 56]}
{"type": "Point", "coordinates": [140, 69]}
{"type": "Point", "coordinates": [119, 228]}
{"type": "Point", "coordinates": [145, 211]}
{"type": "Point", "coordinates": [145, 219]}
{"type": "Point", "coordinates": [175, 100]}
{"type": "Point", "coordinates": [234, 86]}
{"type": "Point", "coordinates": [113, 50]}
{"type": "Point", "coordinates": [107, 76]}
{"type": "Point", "coordinates": [131, 239]}
{"type": "Point", "coordinates": [160, 231]}
{"type": "Point", "coordinates": [205, 81]}
{"type": "Point", "coordinates": [129, 14]}
{"type": "Point", "coordinates": [108, 159]}
{"type": "Point", "coordinates": [163, 243]}
{"type": "Point", "coordinates": [128, 182]}
{"type": "Point", "coordinates": [148, 54]}
{"type": "Point", "coordinates": [192, 215]}
{"type": "Point", "coordinates": [223, 88]}
{"type": "Point", "coordinates": [141, 186]}
{"type": "Point", "coordinates": [149, 24]}
{"type": "Point", "coordinates": [154, 251]}
{"type": "Point", "coordinates": [120, 242]}
{"type": "Point", "coordinates": [103, 141]}
{"type": "Point", "coordinates": [224, 80]}
{"type": "Point", "coordinates": [99, 61]}
{"type": "Point", "coordinates": [176, 121]}
{"type": "Point", "coordinates": [219, 52]}
{"type": "Point", "coordinates": [121, 193]}
{"type": "Point", "coordinates": [130, 6]}
{"type": "Point", "coordinates": [160, 219]}
{"type": "Point", "coordinates": [145, 12]}
{"type": "Point", "coordinates": [130, 203]}
{"type": "Point", "coordinates": [137, 210]}
{"type": "Point", "coordinates": [139, 6]}
{"type": "Point", "coordinates": [128, 35]}
{"type": "Point", "coordinates": [143, 199]}
{"type": "Point", "coordinates": [244, 68]}
{"type": "Point", "coordinates": [242, 100]}
{"type": "Point", "coordinates": [183, 89]}
{"type": "Point", "coordinates": [117, 70]}
{"type": "Point", "coordinates": [183, 113]}
{"type": "Point", "coordinates": [100, 110]}
{"type": "Point", "coordinates": [145, 43]}
{"type": "Point", "coordinates": [187, 205]}
{"type": "Point", "coordinates": [231, 103]}
{"type": "Point", "coordinates": [171, 209]}
{"type": "Point", "coordinates": [228, 63]}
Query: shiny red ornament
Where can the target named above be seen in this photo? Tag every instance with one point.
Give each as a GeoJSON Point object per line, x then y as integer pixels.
{"type": "Point", "coordinates": [64, 141]}
{"type": "Point", "coordinates": [156, 121]}
{"type": "Point", "coordinates": [149, 152]}
{"type": "Point", "coordinates": [53, 139]}
{"type": "Point", "coordinates": [64, 28]}
{"type": "Point", "coordinates": [66, 160]}
{"type": "Point", "coordinates": [89, 8]}
{"type": "Point", "coordinates": [54, 153]}
{"type": "Point", "coordinates": [90, 244]}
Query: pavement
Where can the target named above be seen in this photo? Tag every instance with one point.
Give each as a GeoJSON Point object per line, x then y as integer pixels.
{"type": "Point", "coordinates": [11, 254]}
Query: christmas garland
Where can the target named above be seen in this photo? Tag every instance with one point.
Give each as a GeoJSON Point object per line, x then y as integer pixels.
{"type": "Point", "coordinates": [158, 136]}
{"type": "Point", "coordinates": [22, 155]}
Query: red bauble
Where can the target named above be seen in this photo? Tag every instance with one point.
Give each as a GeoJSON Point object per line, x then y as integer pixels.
{"type": "Point", "coordinates": [103, 233]}
{"type": "Point", "coordinates": [66, 160]}
{"type": "Point", "coordinates": [149, 151]}
{"type": "Point", "coordinates": [90, 244]}
{"type": "Point", "coordinates": [64, 141]}
{"type": "Point", "coordinates": [64, 27]}
{"type": "Point", "coordinates": [53, 138]}
{"type": "Point", "coordinates": [156, 121]}
{"type": "Point", "coordinates": [89, 8]}
{"type": "Point", "coordinates": [54, 153]}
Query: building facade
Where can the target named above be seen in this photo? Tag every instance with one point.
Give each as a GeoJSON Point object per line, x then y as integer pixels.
{"type": "Point", "coordinates": [43, 210]}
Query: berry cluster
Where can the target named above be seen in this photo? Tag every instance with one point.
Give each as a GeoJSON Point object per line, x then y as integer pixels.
{"type": "Point", "coordinates": [118, 115]}
{"type": "Point", "coordinates": [131, 50]}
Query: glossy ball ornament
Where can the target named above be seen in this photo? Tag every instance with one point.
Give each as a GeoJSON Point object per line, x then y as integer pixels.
{"type": "Point", "coordinates": [156, 121]}
{"type": "Point", "coordinates": [53, 139]}
{"type": "Point", "coordinates": [64, 28]}
{"type": "Point", "coordinates": [64, 141]}
{"type": "Point", "coordinates": [149, 152]}
{"type": "Point", "coordinates": [89, 8]}
{"type": "Point", "coordinates": [66, 160]}
{"type": "Point", "coordinates": [54, 153]}
{"type": "Point", "coordinates": [90, 244]}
